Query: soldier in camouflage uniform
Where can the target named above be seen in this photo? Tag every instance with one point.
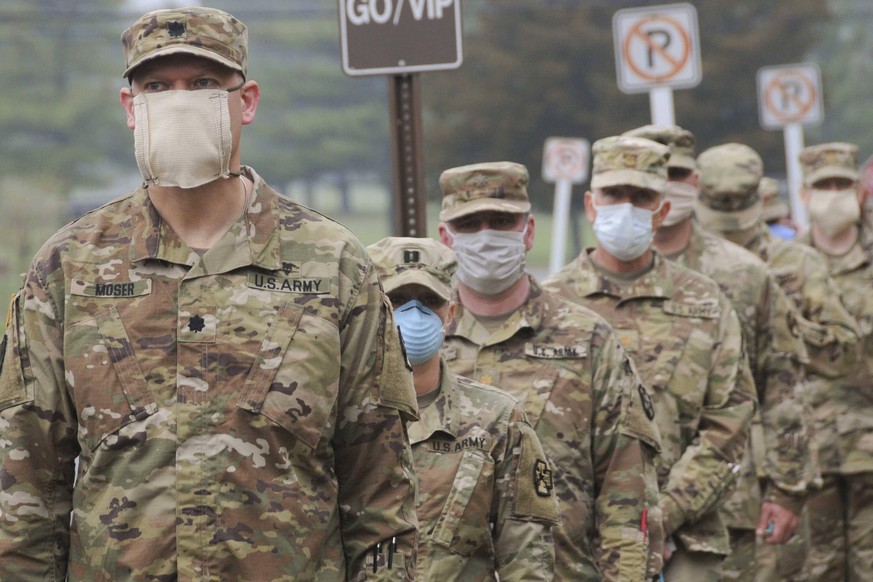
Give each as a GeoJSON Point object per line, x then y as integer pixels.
{"type": "Point", "coordinates": [777, 468]}
{"type": "Point", "coordinates": [221, 360]}
{"type": "Point", "coordinates": [684, 337]}
{"type": "Point", "coordinates": [564, 363]}
{"type": "Point", "coordinates": [840, 516]}
{"type": "Point", "coordinates": [486, 500]}
{"type": "Point", "coordinates": [829, 331]}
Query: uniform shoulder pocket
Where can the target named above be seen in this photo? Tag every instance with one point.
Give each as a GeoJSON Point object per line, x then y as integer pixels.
{"type": "Point", "coordinates": [395, 385]}
{"type": "Point", "coordinates": [639, 418]}
{"type": "Point", "coordinates": [13, 359]}
{"type": "Point", "coordinates": [534, 480]}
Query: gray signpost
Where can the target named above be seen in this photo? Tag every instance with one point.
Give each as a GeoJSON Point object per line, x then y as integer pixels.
{"type": "Point", "coordinates": [401, 38]}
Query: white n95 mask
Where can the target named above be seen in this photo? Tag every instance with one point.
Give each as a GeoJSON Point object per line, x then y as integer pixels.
{"type": "Point", "coordinates": [182, 138]}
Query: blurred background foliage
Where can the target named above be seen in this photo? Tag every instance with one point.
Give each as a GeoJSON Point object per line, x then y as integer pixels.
{"type": "Point", "coordinates": [532, 69]}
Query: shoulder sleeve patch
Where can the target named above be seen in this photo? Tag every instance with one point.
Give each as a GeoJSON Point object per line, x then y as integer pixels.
{"type": "Point", "coordinates": [534, 480]}
{"type": "Point", "coordinates": [698, 310]}
{"type": "Point", "coordinates": [639, 421]}
{"type": "Point", "coordinates": [13, 389]}
{"type": "Point", "coordinates": [395, 388]}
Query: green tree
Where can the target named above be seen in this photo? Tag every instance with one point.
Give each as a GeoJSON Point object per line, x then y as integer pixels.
{"type": "Point", "coordinates": [536, 69]}
{"type": "Point", "coordinates": [846, 59]}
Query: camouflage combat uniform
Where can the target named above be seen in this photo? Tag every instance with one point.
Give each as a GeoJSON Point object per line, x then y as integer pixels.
{"type": "Point", "coordinates": [583, 397]}
{"type": "Point", "coordinates": [237, 416]}
{"type": "Point", "coordinates": [486, 493]}
{"type": "Point", "coordinates": [778, 466]}
{"type": "Point", "coordinates": [685, 339]}
{"type": "Point", "coordinates": [843, 411]}
{"type": "Point", "coordinates": [828, 330]}
{"type": "Point", "coordinates": [840, 516]}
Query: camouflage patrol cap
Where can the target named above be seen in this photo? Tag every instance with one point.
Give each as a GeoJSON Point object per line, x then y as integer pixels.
{"type": "Point", "coordinates": [680, 141]}
{"type": "Point", "coordinates": [204, 32]}
{"type": "Point", "coordinates": [403, 261]}
{"type": "Point", "coordinates": [773, 206]}
{"type": "Point", "coordinates": [829, 160]}
{"type": "Point", "coordinates": [729, 178]}
{"type": "Point", "coordinates": [629, 161]}
{"type": "Point", "coordinates": [500, 186]}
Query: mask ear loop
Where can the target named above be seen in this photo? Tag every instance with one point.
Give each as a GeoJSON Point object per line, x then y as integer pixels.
{"type": "Point", "coordinates": [229, 91]}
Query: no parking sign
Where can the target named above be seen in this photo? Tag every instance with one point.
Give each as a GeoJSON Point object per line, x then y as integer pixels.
{"type": "Point", "coordinates": [565, 159]}
{"type": "Point", "coordinates": [789, 94]}
{"type": "Point", "coordinates": [656, 47]}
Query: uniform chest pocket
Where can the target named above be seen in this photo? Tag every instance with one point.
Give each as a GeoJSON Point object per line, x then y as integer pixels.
{"type": "Point", "coordinates": [294, 379]}
{"type": "Point", "coordinates": [464, 525]}
{"type": "Point", "coordinates": [104, 377]}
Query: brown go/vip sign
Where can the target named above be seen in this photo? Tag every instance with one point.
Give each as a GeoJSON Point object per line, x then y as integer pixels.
{"type": "Point", "coordinates": [393, 37]}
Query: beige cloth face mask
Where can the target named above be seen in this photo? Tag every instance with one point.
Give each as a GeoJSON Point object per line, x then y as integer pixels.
{"type": "Point", "coordinates": [182, 138]}
{"type": "Point", "coordinates": [682, 197]}
{"type": "Point", "coordinates": [834, 211]}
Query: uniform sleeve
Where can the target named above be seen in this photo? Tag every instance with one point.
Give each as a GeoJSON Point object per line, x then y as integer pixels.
{"type": "Point", "coordinates": [373, 455]}
{"type": "Point", "coordinates": [704, 474]}
{"type": "Point", "coordinates": [624, 442]}
{"type": "Point", "coordinates": [525, 507]}
{"type": "Point", "coordinates": [830, 332]}
{"type": "Point", "coordinates": [784, 459]}
{"type": "Point", "coordinates": [37, 442]}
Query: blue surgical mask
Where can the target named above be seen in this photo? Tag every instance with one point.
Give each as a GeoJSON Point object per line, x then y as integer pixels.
{"type": "Point", "coordinates": [624, 230]}
{"type": "Point", "coordinates": [782, 231]}
{"type": "Point", "coordinates": [422, 331]}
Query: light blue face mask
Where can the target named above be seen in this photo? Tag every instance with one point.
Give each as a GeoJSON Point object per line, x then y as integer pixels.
{"type": "Point", "coordinates": [624, 230]}
{"type": "Point", "coordinates": [782, 231]}
{"type": "Point", "coordinates": [422, 331]}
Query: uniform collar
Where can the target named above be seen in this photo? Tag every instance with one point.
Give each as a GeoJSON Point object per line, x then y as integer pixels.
{"type": "Point", "coordinates": [252, 240]}
{"type": "Point", "coordinates": [655, 283]}
{"type": "Point", "coordinates": [527, 318]}
{"type": "Point", "coordinates": [856, 258]}
{"type": "Point", "coordinates": [443, 415]}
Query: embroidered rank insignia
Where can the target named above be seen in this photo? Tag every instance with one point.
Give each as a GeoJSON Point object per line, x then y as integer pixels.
{"type": "Point", "coordinates": [543, 479]}
{"type": "Point", "coordinates": [196, 323]}
{"type": "Point", "coordinates": [648, 406]}
{"type": "Point", "coordinates": [175, 28]}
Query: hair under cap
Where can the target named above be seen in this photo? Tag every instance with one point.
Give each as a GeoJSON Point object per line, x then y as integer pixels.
{"type": "Point", "coordinates": [204, 32]}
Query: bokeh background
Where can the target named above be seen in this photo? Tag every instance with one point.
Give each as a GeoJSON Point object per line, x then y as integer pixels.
{"type": "Point", "coordinates": [532, 69]}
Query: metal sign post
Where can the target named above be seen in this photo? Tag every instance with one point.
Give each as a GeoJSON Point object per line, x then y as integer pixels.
{"type": "Point", "coordinates": [656, 51]}
{"type": "Point", "coordinates": [410, 196]}
{"type": "Point", "coordinates": [400, 38]}
{"type": "Point", "coordinates": [789, 97]}
{"type": "Point", "coordinates": [565, 162]}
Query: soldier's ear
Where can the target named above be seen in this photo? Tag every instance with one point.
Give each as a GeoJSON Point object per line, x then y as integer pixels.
{"type": "Point", "coordinates": [804, 196]}
{"type": "Point", "coordinates": [126, 96]}
{"type": "Point", "coordinates": [590, 211]}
